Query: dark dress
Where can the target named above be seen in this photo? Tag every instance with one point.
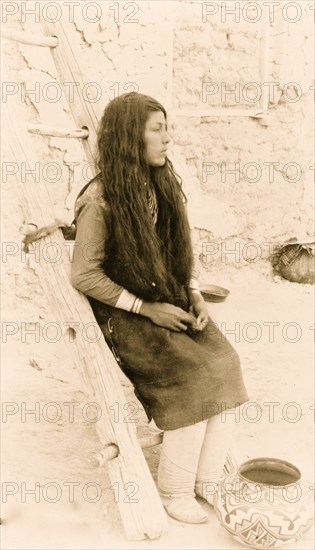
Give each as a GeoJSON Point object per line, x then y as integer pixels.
{"type": "Point", "coordinates": [180, 378]}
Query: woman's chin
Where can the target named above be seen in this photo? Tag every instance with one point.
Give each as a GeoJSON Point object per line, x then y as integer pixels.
{"type": "Point", "coordinates": [159, 162]}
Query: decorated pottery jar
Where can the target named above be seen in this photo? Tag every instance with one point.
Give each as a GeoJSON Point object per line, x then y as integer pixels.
{"type": "Point", "coordinates": [264, 504]}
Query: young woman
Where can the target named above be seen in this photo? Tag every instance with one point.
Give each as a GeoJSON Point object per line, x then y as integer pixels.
{"type": "Point", "coordinates": [133, 259]}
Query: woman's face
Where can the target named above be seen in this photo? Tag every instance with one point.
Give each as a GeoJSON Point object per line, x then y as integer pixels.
{"type": "Point", "coordinates": [156, 139]}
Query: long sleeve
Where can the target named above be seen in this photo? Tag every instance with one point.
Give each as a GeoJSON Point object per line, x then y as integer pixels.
{"type": "Point", "coordinates": [87, 273]}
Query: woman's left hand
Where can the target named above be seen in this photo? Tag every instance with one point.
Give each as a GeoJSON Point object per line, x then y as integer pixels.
{"type": "Point", "coordinates": [199, 308]}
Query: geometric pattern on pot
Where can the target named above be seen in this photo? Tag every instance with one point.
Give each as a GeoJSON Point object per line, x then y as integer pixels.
{"type": "Point", "coordinates": [262, 515]}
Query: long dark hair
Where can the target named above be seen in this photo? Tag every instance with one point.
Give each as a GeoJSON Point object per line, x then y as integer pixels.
{"type": "Point", "coordinates": [157, 258]}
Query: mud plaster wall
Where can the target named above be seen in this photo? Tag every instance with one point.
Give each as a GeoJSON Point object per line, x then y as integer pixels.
{"type": "Point", "coordinates": [167, 50]}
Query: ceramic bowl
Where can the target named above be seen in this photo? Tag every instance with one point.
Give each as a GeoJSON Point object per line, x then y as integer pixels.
{"type": "Point", "coordinates": [214, 293]}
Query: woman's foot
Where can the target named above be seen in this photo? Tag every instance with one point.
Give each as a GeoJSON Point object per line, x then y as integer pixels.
{"type": "Point", "coordinates": [184, 508]}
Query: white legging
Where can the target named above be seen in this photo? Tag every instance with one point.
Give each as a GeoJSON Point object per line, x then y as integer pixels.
{"type": "Point", "coordinates": [192, 457]}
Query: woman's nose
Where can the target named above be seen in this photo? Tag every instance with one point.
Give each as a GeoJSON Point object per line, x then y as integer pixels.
{"type": "Point", "coordinates": [166, 137]}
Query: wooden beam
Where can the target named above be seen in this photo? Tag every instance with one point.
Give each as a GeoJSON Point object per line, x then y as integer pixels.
{"type": "Point", "coordinates": [69, 70]}
{"type": "Point", "coordinates": [264, 60]}
{"type": "Point", "coordinates": [30, 38]}
{"type": "Point", "coordinates": [112, 451]}
{"type": "Point", "coordinates": [54, 131]}
{"type": "Point", "coordinates": [220, 112]}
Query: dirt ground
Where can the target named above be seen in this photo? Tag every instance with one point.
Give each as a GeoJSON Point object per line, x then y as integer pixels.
{"type": "Point", "coordinates": [51, 447]}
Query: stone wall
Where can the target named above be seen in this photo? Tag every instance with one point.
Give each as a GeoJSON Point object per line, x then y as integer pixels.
{"type": "Point", "coordinates": [249, 181]}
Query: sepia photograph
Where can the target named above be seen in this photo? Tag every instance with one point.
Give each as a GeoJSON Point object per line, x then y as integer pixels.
{"type": "Point", "coordinates": [157, 275]}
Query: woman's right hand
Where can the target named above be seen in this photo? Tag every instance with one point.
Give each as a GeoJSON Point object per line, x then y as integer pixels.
{"type": "Point", "coordinates": [167, 315]}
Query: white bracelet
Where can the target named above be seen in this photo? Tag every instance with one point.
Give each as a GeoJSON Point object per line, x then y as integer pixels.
{"type": "Point", "coordinates": [137, 305]}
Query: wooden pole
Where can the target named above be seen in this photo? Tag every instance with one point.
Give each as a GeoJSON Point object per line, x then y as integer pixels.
{"type": "Point", "coordinates": [72, 79]}
{"type": "Point", "coordinates": [29, 38]}
{"type": "Point", "coordinates": [54, 131]}
{"type": "Point", "coordinates": [220, 112]}
{"type": "Point", "coordinates": [139, 503]}
{"type": "Point", "coordinates": [111, 451]}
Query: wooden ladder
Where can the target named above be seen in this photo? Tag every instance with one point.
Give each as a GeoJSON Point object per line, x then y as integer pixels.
{"type": "Point", "coordinates": [142, 516]}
